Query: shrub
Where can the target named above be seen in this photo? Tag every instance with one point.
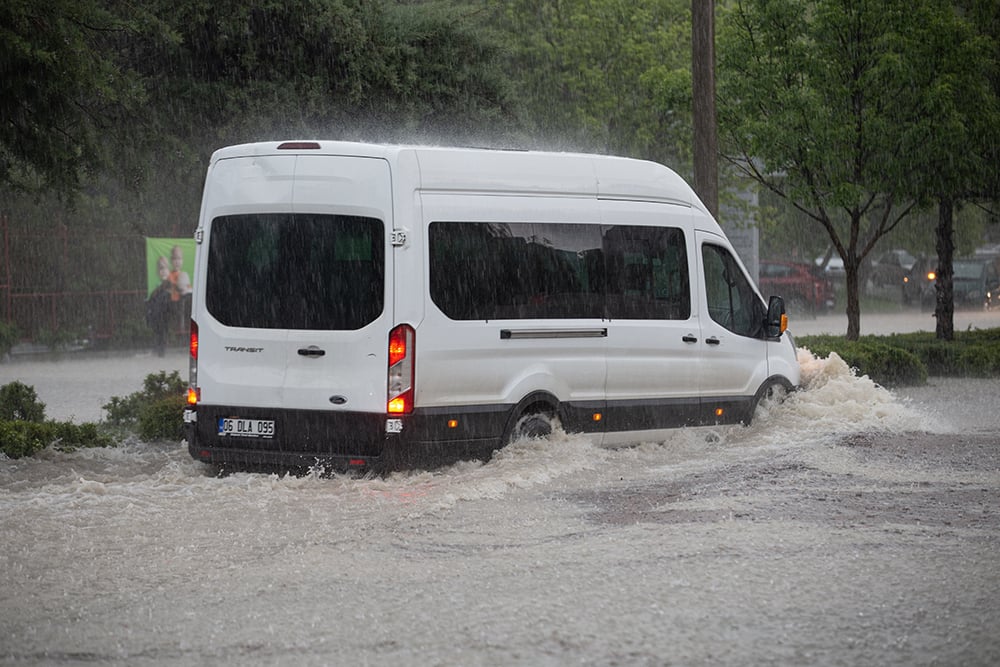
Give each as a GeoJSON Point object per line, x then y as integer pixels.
{"type": "Point", "coordinates": [57, 339]}
{"type": "Point", "coordinates": [896, 359]}
{"type": "Point", "coordinates": [156, 386]}
{"type": "Point", "coordinates": [8, 337]}
{"type": "Point", "coordinates": [162, 419]}
{"type": "Point", "coordinates": [19, 402]}
{"type": "Point", "coordinates": [24, 438]}
{"type": "Point", "coordinates": [157, 411]}
{"type": "Point", "coordinates": [885, 364]}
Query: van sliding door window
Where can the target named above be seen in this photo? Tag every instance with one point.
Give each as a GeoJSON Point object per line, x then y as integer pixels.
{"type": "Point", "coordinates": [296, 271]}
{"type": "Point", "coordinates": [731, 299]}
{"type": "Point", "coordinates": [487, 271]}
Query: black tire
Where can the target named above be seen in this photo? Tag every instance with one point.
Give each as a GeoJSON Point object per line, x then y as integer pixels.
{"type": "Point", "coordinates": [773, 391]}
{"type": "Point", "coordinates": [533, 423]}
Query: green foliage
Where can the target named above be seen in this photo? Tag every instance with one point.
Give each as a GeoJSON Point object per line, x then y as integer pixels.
{"type": "Point", "coordinates": [24, 431]}
{"type": "Point", "coordinates": [131, 332]}
{"type": "Point", "coordinates": [154, 412]}
{"type": "Point", "coordinates": [162, 419]}
{"type": "Point", "coordinates": [857, 113]}
{"type": "Point", "coordinates": [19, 402]}
{"type": "Point", "coordinates": [903, 359]}
{"type": "Point", "coordinates": [610, 76]}
{"type": "Point", "coordinates": [8, 337]}
{"type": "Point", "coordinates": [884, 364]}
{"type": "Point", "coordinates": [24, 438]}
{"type": "Point", "coordinates": [65, 90]}
{"type": "Point", "coordinates": [56, 339]}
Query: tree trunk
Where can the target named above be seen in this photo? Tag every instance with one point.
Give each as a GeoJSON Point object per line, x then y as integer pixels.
{"type": "Point", "coordinates": [944, 286]}
{"type": "Point", "coordinates": [706, 169]}
{"type": "Point", "coordinates": [853, 299]}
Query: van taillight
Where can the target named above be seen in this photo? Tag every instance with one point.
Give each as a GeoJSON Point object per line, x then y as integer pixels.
{"type": "Point", "coordinates": [402, 360]}
{"type": "Point", "coordinates": [193, 392]}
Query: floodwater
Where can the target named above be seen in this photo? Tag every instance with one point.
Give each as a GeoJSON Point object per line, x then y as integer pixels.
{"type": "Point", "coordinates": [849, 525]}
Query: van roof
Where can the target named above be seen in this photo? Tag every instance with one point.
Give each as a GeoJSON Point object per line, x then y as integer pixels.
{"type": "Point", "coordinates": [452, 169]}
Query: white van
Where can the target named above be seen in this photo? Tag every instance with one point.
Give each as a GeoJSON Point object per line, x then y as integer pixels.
{"type": "Point", "coordinates": [369, 306]}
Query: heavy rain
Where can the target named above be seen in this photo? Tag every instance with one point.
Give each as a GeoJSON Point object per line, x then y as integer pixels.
{"type": "Point", "coordinates": [850, 151]}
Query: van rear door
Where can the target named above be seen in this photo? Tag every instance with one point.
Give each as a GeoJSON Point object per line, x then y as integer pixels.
{"type": "Point", "coordinates": [297, 288]}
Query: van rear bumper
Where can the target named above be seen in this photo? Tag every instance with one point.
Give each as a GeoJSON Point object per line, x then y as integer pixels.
{"type": "Point", "coordinates": [345, 440]}
{"type": "Point", "coordinates": [301, 438]}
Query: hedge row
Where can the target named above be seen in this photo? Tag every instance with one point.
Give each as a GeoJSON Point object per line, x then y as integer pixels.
{"type": "Point", "coordinates": [153, 413]}
{"type": "Point", "coordinates": [23, 438]}
{"type": "Point", "coordinates": [907, 359]}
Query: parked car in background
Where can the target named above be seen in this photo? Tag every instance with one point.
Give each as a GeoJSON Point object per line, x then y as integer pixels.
{"type": "Point", "coordinates": [833, 267]}
{"type": "Point", "coordinates": [889, 268]}
{"type": "Point", "coordinates": [804, 287]}
{"type": "Point", "coordinates": [976, 283]}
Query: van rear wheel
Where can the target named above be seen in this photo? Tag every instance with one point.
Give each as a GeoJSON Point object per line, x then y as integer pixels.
{"type": "Point", "coordinates": [534, 423]}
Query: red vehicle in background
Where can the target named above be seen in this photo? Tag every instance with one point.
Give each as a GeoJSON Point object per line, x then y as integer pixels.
{"type": "Point", "coordinates": [803, 286]}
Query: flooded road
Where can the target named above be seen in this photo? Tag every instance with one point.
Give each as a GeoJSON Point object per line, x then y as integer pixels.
{"type": "Point", "coordinates": [847, 526]}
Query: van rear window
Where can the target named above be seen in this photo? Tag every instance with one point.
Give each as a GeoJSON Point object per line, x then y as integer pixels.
{"type": "Point", "coordinates": [487, 271]}
{"type": "Point", "coordinates": [296, 271]}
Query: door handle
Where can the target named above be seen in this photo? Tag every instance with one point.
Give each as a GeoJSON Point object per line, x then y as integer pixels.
{"type": "Point", "coordinates": [689, 339]}
{"type": "Point", "coordinates": [311, 351]}
{"type": "Point", "coordinates": [713, 340]}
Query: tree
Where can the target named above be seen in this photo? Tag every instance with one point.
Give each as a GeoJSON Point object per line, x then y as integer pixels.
{"type": "Point", "coordinates": [955, 121]}
{"type": "Point", "coordinates": [64, 94]}
{"type": "Point", "coordinates": [605, 75]}
{"type": "Point", "coordinates": [825, 103]}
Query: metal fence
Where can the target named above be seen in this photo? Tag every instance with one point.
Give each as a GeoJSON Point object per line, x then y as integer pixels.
{"type": "Point", "coordinates": [65, 285]}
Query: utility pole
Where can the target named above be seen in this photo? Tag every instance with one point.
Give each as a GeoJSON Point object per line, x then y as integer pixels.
{"type": "Point", "coordinates": [706, 143]}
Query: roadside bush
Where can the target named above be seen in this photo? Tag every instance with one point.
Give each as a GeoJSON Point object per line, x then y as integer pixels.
{"type": "Point", "coordinates": [24, 430]}
{"type": "Point", "coordinates": [885, 364]}
{"type": "Point", "coordinates": [57, 339]}
{"type": "Point", "coordinates": [157, 411]}
{"type": "Point", "coordinates": [974, 353]}
{"type": "Point", "coordinates": [895, 359]}
{"type": "Point", "coordinates": [163, 419]}
{"type": "Point", "coordinates": [130, 332]}
{"type": "Point", "coordinates": [25, 438]}
{"type": "Point", "coordinates": [19, 402]}
{"type": "Point", "coordinates": [8, 338]}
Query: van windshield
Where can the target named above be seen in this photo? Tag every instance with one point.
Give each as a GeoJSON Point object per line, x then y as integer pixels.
{"type": "Point", "coordinates": [296, 271]}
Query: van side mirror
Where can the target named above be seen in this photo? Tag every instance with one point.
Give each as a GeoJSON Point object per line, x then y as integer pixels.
{"type": "Point", "coordinates": [777, 319]}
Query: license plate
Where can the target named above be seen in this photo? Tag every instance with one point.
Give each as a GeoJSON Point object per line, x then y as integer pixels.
{"type": "Point", "coordinates": [246, 428]}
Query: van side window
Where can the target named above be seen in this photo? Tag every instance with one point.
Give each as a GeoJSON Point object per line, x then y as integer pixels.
{"type": "Point", "coordinates": [647, 273]}
{"type": "Point", "coordinates": [296, 271]}
{"type": "Point", "coordinates": [732, 301]}
{"type": "Point", "coordinates": [486, 271]}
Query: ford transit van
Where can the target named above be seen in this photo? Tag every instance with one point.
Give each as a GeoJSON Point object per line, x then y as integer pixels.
{"type": "Point", "coordinates": [370, 306]}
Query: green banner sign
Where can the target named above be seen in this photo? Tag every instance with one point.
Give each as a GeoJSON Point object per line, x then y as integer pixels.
{"type": "Point", "coordinates": [170, 260]}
